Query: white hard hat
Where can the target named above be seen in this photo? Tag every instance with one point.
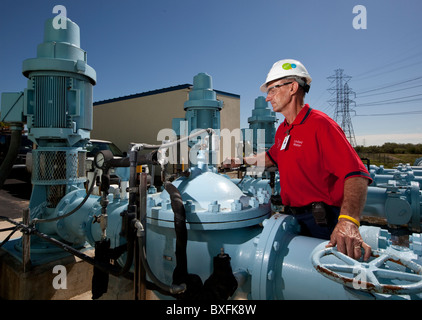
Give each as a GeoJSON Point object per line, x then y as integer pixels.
{"type": "Point", "coordinates": [287, 68]}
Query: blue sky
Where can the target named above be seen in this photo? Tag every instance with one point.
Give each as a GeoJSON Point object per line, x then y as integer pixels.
{"type": "Point", "coordinates": [138, 46]}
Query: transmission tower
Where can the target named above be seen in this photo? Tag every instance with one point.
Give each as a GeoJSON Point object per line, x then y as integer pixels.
{"type": "Point", "coordinates": [342, 103]}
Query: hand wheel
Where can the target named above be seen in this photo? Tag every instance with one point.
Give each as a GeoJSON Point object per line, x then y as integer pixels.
{"type": "Point", "coordinates": [375, 276]}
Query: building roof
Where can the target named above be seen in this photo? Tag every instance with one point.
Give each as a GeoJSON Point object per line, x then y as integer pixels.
{"type": "Point", "coordinates": [158, 91]}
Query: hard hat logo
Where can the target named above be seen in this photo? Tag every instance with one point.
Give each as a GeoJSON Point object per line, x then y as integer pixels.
{"type": "Point", "coordinates": [288, 66]}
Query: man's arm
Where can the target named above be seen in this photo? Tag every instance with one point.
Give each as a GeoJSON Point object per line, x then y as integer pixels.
{"type": "Point", "coordinates": [260, 160]}
{"type": "Point", "coordinates": [346, 233]}
{"type": "Point", "coordinates": [355, 191]}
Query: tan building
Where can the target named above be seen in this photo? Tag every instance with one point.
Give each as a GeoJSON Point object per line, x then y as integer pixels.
{"type": "Point", "coordinates": [140, 117]}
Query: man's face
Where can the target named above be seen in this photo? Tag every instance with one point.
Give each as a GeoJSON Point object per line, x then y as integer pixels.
{"type": "Point", "coordinates": [278, 94]}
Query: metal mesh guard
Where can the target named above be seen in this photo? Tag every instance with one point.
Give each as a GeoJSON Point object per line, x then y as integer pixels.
{"type": "Point", "coordinates": [58, 167]}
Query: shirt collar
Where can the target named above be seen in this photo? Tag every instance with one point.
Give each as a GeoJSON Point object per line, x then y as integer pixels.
{"type": "Point", "coordinates": [301, 117]}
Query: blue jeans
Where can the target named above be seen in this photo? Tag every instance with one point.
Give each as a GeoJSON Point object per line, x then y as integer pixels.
{"type": "Point", "coordinates": [308, 226]}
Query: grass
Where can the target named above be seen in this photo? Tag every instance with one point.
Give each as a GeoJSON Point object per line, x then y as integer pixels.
{"type": "Point", "coordinates": [390, 160]}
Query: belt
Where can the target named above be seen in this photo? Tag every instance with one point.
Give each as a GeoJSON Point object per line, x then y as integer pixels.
{"type": "Point", "coordinates": [322, 213]}
{"type": "Point", "coordinates": [298, 210]}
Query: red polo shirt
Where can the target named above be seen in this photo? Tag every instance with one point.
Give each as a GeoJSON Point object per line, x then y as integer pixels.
{"type": "Point", "coordinates": [316, 160]}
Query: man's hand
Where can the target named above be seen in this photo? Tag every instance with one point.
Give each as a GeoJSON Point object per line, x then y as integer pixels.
{"type": "Point", "coordinates": [348, 240]}
{"type": "Point", "coordinates": [346, 234]}
{"type": "Point", "coordinates": [230, 163]}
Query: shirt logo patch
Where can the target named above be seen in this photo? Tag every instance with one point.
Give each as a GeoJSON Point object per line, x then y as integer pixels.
{"type": "Point", "coordinates": [297, 143]}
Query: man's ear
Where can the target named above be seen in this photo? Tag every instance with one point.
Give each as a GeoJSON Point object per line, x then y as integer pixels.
{"type": "Point", "coordinates": [294, 88]}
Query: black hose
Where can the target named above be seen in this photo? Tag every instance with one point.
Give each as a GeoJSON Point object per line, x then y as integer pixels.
{"type": "Point", "coordinates": [72, 211]}
{"type": "Point", "coordinates": [12, 153]}
{"type": "Point", "coordinates": [172, 289]}
{"type": "Point", "coordinates": [181, 271]}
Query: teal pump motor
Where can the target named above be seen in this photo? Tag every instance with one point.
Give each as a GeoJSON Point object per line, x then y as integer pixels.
{"type": "Point", "coordinates": [57, 106]}
{"type": "Point", "coordinates": [202, 112]}
{"type": "Point", "coordinates": [202, 108]}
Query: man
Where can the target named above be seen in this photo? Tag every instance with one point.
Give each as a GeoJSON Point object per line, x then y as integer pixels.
{"type": "Point", "coordinates": [323, 181]}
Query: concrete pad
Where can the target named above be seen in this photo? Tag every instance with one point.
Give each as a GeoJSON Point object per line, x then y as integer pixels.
{"type": "Point", "coordinates": [43, 282]}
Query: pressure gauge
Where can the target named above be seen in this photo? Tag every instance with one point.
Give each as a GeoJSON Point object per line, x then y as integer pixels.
{"type": "Point", "coordinates": [102, 158]}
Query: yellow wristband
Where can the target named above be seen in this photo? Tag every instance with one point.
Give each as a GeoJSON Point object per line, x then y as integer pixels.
{"type": "Point", "coordinates": [349, 218]}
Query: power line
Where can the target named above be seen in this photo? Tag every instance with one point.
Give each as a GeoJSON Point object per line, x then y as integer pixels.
{"type": "Point", "coordinates": [390, 85]}
{"type": "Point", "coordinates": [406, 56]}
{"type": "Point", "coordinates": [397, 90]}
{"type": "Point", "coordinates": [390, 70]}
{"type": "Point", "coordinates": [391, 101]}
{"type": "Point", "coordinates": [390, 114]}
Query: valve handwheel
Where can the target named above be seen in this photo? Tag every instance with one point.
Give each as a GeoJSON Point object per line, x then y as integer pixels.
{"type": "Point", "coordinates": [373, 276]}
